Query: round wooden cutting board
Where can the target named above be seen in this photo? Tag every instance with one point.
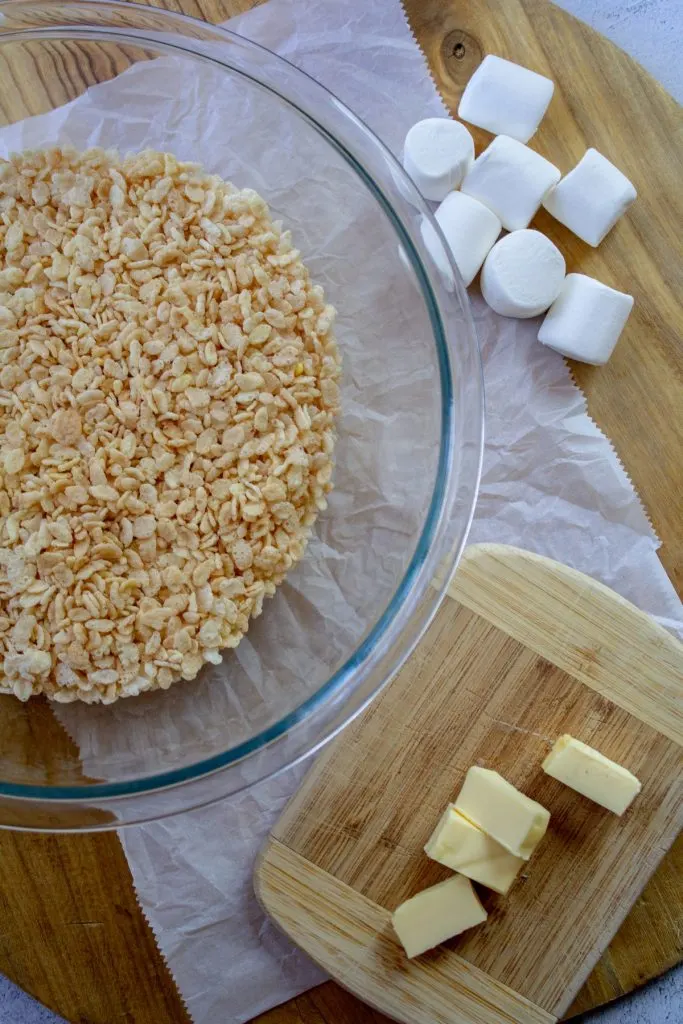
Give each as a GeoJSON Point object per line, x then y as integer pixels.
{"type": "Point", "coordinates": [72, 933]}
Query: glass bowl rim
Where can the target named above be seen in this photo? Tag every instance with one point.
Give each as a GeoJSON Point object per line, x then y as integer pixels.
{"type": "Point", "coordinates": [415, 581]}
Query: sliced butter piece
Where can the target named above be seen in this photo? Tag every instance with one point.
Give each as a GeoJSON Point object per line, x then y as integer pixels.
{"type": "Point", "coordinates": [592, 774]}
{"type": "Point", "coordinates": [437, 914]}
{"type": "Point", "coordinates": [463, 847]}
{"type": "Point", "coordinates": [508, 816]}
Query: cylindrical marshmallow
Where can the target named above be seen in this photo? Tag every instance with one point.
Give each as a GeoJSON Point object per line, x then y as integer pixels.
{"type": "Point", "coordinates": [511, 180]}
{"type": "Point", "coordinates": [585, 320]}
{"type": "Point", "coordinates": [591, 198]}
{"type": "Point", "coordinates": [437, 154]}
{"type": "Point", "coordinates": [506, 98]}
{"type": "Point", "coordinates": [470, 229]}
{"type": "Point", "coordinates": [522, 275]}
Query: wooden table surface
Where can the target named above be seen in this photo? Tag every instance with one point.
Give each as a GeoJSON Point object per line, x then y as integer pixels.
{"type": "Point", "coordinates": [83, 947]}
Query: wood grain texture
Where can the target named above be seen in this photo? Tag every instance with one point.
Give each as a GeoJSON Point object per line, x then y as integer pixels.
{"type": "Point", "coordinates": [73, 935]}
{"type": "Point", "coordinates": [367, 958]}
{"type": "Point", "coordinates": [602, 98]}
{"type": "Point", "coordinates": [474, 694]}
{"type": "Point", "coordinates": [626, 400]}
{"type": "Point", "coordinates": [521, 593]}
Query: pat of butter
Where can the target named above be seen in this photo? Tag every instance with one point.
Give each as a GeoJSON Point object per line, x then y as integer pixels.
{"type": "Point", "coordinates": [592, 774]}
{"type": "Point", "coordinates": [463, 847]}
{"type": "Point", "coordinates": [508, 816]}
{"type": "Point", "coordinates": [437, 914]}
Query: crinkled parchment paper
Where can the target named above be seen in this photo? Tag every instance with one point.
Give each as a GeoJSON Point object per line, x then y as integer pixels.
{"type": "Point", "coordinates": [551, 483]}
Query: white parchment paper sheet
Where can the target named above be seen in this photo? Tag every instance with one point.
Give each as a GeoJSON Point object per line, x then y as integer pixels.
{"type": "Point", "coordinates": [551, 483]}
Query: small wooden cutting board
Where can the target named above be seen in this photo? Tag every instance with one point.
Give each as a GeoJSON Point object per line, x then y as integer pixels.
{"type": "Point", "coordinates": [526, 650]}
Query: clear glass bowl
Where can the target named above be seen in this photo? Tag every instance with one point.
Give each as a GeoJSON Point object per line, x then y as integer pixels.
{"type": "Point", "coordinates": [410, 435]}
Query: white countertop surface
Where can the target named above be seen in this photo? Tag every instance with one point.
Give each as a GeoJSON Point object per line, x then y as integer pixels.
{"type": "Point", "coordinates": [652, 32]}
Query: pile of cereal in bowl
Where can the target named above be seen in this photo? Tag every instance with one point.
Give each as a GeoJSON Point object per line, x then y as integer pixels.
{"type": "Point", "coordinates": [168, 393]}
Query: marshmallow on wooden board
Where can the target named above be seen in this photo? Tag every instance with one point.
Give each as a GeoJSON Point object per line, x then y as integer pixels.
{"type": "Point", "coordinates": [506, 98]}
{"type": "Point", "coordinates": [470, 229]}
{"type": "Point", "coordinates": [512, 180]}
{"type": "Point", "coordinates": [585, 320]}
{"type": "Point", "coordinates": [523, 274]}
{"type": "Point", "coordinates": [437, 154]}
{"type": "Point", "coordinates": [591, 198]}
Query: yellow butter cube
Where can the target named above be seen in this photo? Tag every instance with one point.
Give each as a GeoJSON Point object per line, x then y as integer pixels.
{"type": "Point", "coordinates": [437, 914]}
{"type": "Point", "coordinates": [463, 847]}
{"type": "Point", "coordinates": [592, 774]}
{"type": "Point", "coordinates": [508, 816]}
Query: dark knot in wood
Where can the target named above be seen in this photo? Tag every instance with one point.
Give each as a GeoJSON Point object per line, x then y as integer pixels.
{"type": "Point", "coordinates": [461, 53]}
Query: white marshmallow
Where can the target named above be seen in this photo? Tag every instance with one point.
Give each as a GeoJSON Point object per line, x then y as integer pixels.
{"type": "Point", "coordinates": [470, 229]}
{"type": "Point", "coordinates": [591, 198]}
{"type": "Point", "coordinates": [585, 320]}
{"type": "Point", "coordinates": [522, 274]}
{"type": "Point", "coordinates": [506, 98]}
{"type": "Point", "coordinates": [437, 252]}
{"type": "Point", "coordinates": [437, 154]}
{"type": "Point", "coordinates": [511, 180]}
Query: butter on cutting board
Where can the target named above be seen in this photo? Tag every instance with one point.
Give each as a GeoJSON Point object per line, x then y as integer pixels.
{"type": "Point", "coordinates": [592, 774]}
{"type": "Point", "coordinates": [437, 914]}
{"type": "Point", "coordinates": [462, 846]}
{"type": "Point", "coordinates": [514, 820]}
